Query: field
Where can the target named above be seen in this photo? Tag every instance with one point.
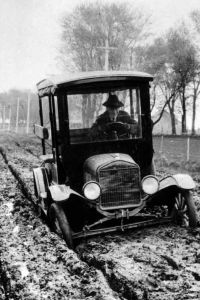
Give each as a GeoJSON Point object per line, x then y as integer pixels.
{"type": "Point", "coordinates": [176, 147]}
{"type": "Point", "coordinates": [35, 264]}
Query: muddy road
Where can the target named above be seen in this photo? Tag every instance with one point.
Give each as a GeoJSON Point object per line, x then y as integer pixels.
{"type": "Point", "coordinates": [160, 262]}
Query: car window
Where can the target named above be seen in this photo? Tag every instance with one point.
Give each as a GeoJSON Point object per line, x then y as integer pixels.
{"type": "Point", "coordinates": [46, 123]}
{"type": "Point", "coordinates": [89, 118]}
{"type": "Point", "coordinates": [56, 112]}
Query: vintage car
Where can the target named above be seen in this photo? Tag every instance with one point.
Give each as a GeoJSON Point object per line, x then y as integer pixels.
{"type": "Point", "coordinates": [89, 183]}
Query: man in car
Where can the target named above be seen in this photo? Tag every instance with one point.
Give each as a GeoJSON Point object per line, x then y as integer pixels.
{"type": "Point", "coordinates": [113, 123]}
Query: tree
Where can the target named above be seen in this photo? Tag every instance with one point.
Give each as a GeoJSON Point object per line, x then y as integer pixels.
{"type": "Point", "coordinates": [195, 16]}
{"type": "Point", "coordinates": [155, 59]}
{"type": "Point", "coordinates": [183, 57]}
{"type": "Point", "coordinates": [91, 26]}
{"type": "Point", "coordinates": [195, 84]}
{"type": "Point", "coordinates": [95, 29]}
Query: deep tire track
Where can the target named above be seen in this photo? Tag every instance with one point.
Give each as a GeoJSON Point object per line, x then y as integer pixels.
{"type": "Point", "coordinates": [139, 265]}
{"type": "Point", "coordinates": [91, 282]}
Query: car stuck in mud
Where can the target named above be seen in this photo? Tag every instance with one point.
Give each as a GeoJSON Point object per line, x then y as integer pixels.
{"type": "Point", "coordinates": [98, 173]}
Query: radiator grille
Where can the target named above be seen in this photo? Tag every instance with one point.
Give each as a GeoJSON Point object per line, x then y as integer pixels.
{"type": "Point", "coordinates": [120, 187]}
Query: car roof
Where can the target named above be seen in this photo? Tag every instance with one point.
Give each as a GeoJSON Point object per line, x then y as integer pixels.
{"type": "Point", "coordinates": [70, 80]}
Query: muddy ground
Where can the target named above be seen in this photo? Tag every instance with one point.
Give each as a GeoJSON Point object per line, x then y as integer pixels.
{"type": "Point", "coordinates": [161, 262]}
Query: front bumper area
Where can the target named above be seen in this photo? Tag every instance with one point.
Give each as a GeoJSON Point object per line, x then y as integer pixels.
{"type": "Point", "coordinates": [86, 232]}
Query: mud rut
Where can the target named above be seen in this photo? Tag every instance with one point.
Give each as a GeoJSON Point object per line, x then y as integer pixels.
{"type": "Point", "coordinates": [152, 263]}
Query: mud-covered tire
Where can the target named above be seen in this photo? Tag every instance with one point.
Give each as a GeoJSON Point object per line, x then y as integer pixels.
{"type": "Point", "coordinates": [183, 212]}
{"type": "Point", "coordinates": [59, 224]}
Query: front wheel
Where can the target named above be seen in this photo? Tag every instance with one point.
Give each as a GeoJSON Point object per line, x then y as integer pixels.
{"type": "Point", "coordinates": [59, 224]}
{"type": "Point", "coordinates": [184, 212]}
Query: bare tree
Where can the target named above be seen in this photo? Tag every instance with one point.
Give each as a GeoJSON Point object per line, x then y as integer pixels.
{"type": "Point", "coordinates": [195, 83]}
{"type": "Point", "coordinates": [195, 16]}
{"type": "Point", "coordinates": [93, 26]}
{"type": "Point", "coordinates": [183, 57]}
{"type": "Point", "coordinates": [155, 59]}
{"type": "Point", "coordinates": [98, 35]}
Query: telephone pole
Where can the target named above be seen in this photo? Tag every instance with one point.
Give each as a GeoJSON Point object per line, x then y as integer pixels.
{"type": "Point", "coordinates": [107, 48]}
{"type": "Point", "coordinates": [4, 117]}
{"type": "Point", "coordinates": [28, 113]}
{"type": "Point", "coordinates": [17, 116]}
{"type": "Point", "coordinates": [9, 124]}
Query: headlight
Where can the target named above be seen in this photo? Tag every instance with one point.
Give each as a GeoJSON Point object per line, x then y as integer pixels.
{"type": "Point", "coordinates": [92, 190]}
{"type": "Point", "coordinates": [150, 184]}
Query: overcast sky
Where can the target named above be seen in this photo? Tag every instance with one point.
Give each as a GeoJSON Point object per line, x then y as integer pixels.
{"type": "Point", "coordinates": [30, 35]}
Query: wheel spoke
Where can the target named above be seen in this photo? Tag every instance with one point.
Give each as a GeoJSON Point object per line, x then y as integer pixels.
{"type": "Point", "coordinates": [182, 204]}
{"type": "Point", "coordinates": [176, 205]}
{"type": "Point", "coordinates": [184, 212]}
{"type": "Point", "coordinates": [185, 209]}
{"type": "Point", "coordinates": [186, 217]}
{"type": "Point", "coordinates": [185, 221]}
{"type": "Point", "coordinates": [178, 201]}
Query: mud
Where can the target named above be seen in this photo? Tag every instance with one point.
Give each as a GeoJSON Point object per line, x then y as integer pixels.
{"type": "Point", "coordinates": [161, 262]}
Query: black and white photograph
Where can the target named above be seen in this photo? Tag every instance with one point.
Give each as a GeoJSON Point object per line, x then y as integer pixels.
{"type": "Point", "coordinates": [100, 150]}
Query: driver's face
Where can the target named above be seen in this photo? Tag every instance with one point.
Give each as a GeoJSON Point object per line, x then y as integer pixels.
{"type": "Point", "coordinates": [113, 113]}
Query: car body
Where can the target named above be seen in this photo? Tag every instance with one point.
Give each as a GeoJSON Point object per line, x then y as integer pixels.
{"type": "Point", "coordinates": [91, 184]}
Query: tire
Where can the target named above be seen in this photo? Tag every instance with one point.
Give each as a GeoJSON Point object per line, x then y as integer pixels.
{"type": "Point", "coordinates": [183, 212]}
{"type": "Point", "coordinates": [59, 224]}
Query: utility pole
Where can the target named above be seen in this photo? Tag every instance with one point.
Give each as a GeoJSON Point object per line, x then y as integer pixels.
{"type": "Point", "coordinates": [17, 116]}
{"type": "Point", "coordinates": [107, 55]}
{"type": "Point", "coordinates": [4, 117]}
{"type": "Point", "coordinates": [106, 65]}
{"type": "Point", "coordinates": [107, 49]}
{"type": "Point", "coordinates": [9, 118]}
{"type": "Point", "coordinates": [28, 113]}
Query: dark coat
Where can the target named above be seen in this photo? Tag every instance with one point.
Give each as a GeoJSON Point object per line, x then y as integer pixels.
{"type": "Point", "coordinates": [98, 128]}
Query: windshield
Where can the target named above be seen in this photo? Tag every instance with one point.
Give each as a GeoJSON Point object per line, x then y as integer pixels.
{"type": "Point", "coordinates": [105, 116]}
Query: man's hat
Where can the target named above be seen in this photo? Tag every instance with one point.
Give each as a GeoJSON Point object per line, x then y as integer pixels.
{"type": "Point", "coordinates": [113, 102]}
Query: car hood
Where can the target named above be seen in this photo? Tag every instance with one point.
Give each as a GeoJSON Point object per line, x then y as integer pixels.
{"type": "Point", "coordinates": [95, 162]}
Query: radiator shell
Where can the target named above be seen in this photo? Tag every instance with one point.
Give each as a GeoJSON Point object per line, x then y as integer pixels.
{"type": "Point", "coordinates": [119, 178]}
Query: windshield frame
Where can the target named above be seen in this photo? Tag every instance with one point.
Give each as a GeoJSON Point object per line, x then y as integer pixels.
{"type": "Point", "coordinates": [133, 111]}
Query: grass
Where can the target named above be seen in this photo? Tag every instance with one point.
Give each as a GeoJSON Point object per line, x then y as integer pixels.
{"type": "Point", "coordinates": [171, 153]}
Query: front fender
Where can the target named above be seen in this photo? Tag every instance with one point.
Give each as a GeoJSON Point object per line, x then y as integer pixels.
{"type": "Point", "coordinates": [62, 192]}
{"type": "Point", "coordinates": [41, 182]}
{"type": "Point", "coordinates": [183, 181]}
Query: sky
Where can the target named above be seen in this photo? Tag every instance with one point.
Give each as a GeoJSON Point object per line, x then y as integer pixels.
{"type": "Point", "coordinates": [30, 35]}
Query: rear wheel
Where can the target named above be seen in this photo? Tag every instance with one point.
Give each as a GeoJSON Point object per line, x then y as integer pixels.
{"type": "Point", "coordinates": [60, 224]}
{"type": "Point", "coordinates": [184, 211]}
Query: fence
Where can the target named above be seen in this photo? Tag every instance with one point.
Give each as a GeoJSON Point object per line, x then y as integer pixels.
{"type": "Point", "coordinates": [21, 128]}
{"type": "Point", "coordinates": [177, 148]}
{"type": "Point", "coordinates": [173, 148]}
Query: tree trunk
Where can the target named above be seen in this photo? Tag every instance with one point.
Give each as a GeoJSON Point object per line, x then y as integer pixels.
{"type": "Point", "coordinates": [172, 116]}
{"type": "Point", "coordinates": [195, 96]}
{"type": "Point", "coordinates": [184, 128]}
{"type": "Point", "coordinates": [173, 121]}
{"type": "Point", "coordinates": [194, 113]}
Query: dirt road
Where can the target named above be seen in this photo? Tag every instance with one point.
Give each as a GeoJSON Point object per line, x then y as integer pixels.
{"type": "Point", "coordinates": [160, 262]}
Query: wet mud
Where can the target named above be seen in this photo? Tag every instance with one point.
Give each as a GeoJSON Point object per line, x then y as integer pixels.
{"type": "Point", "coordinates": [161, 262]}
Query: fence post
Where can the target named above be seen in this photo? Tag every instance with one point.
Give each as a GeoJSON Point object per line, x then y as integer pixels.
{"type": "Point", "coordinates": [188, 148]}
